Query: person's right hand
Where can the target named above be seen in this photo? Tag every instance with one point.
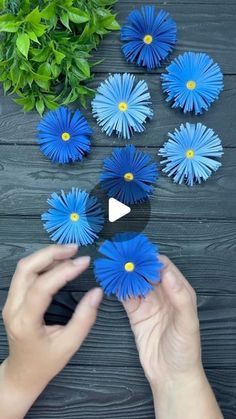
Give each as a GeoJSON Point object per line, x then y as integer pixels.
{"type": "Point", "coordinates": [37, 352]}
{"type": "Point", "coordinates": [166, 330]}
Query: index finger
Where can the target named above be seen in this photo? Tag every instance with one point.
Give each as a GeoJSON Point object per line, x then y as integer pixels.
{"type": "Point", "coordinates": [39, 261]}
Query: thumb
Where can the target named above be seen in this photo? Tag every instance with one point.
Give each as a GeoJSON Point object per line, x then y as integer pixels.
{"type": "Point", "coordinates": [180, 297]}
{"type": "Point", "coordinates": [83, 319]}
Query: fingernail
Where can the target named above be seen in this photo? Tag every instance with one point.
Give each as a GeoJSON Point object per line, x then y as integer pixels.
{"type": "Point", "coordinates": [95, 297]}
{"type": "Point", "coordinates": [173, 281]}
{"type": "Point", "coordinates": [81, 261]}
{"type": "Point", "coordinates": [71, 246]}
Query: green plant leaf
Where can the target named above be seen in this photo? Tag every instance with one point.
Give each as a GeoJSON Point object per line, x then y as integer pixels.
{"type": "Point", "coordinates": [38, 29]}
{"type": "Point", "coordinates": [40, 106]}
{"type": "Point", "coordinates": [32, 36]}
{"type": "Point", "coordinates": [65, 20]}
{"type": "Point", "coordinates": [9, 23]}
{"type": "Point", "coordinates": [34, 16]}
{"type": "Point", "coordinates": [114, 26]}
{"type": "Point", "coordinates": [23, 43]}
{"type": "Point", "coordinates": [44, 69]}
{"type": "Point", "coordinates": [58, 56]}
{"type": "Point", "coordinates": [48, 12]}
{"type": "Point", "coordinates": [77, 15]}
{"type": "Point", "coordinates": [83, 66]}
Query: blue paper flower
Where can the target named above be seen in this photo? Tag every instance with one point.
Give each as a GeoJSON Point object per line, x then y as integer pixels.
{"type": "Point", "coordinates": [128, 175]}
{"type": "Point", "coordinates": [75, 217]}
{"type": "Point", "coordinates": [193, 82]}
{"type": "Point", "coordinates": [190, 154]}
{"type": "Point", "coordinates": [122, 106]}
{"type": "Point", "coordinates": [63, 136]}
{"type": "Point", "coordinates": [130, 262]}
{"type": "Point", "coordinates": [150, 37]}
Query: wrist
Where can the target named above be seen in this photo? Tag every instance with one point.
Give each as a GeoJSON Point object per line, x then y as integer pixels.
{"type": "Point", "coordinates": [180, 394]}
{"type": "Point", "coordinates": [16, 395]}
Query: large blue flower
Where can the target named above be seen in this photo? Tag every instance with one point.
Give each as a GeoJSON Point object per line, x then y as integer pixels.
{"type": "Point", "coordinates": [122, 106]}
{"type": "Point", "coordinates": [130, 262]}
{"type": "Point", "coordinates": [128, 175]}
{"type": "Point", "coordinates": [193, 82]}
{"type": "Point", "coordinates": [150, 37]}
{"type": "Point", "coordinates": [75, 217]}
{"type": "Point", "coordinates": [63, 136]}
{"type": "Point", "coordinates": [190, 153]}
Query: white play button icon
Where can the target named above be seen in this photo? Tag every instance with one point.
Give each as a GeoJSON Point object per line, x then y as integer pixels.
{"type": "Point", "coordinates": [117, 210]}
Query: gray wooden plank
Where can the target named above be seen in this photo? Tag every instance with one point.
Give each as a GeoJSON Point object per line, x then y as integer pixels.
{"type": "Point", "coordinates": [111, 341]}
{"type": "Point", "coordinates": [204, 251]}
{"type": "Point", "coordinates": [81, 392]}
{"type": "Point", "coordinates": [19, 128]}
{"type": "Point", "coordinates": [28, 179]}
{"type": "Point", "coordinates": [201, 27]}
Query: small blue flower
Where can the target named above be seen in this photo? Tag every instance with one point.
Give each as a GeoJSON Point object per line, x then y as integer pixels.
{"type": "Point", "coordinates": [128, 175]}
{"type": "Point", "coordinates": [63, 136]}
{"type": "Point", "coordinates": [193, 82]}
{"type": "Point", "coordinates": [190, 154]}
{"type": "Point", "coordinates": [130, 262]}
{"type": "Point", "coordinates": [122, 106]}
{"type": "Point", "coordinates": [150, 37]}
{"type": "Point", "coordinates": [75, 217]}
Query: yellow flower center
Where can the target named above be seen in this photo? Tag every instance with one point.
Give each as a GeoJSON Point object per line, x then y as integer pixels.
{"type": "Point", "coordinates": [129, 267]}
{"type": "Point", "coordinates": [191, 85]}
{"type": "Point", "coordinates": [190, 153]}
{"type": "Point", "coordinates": [65, 136]}
{"type": "Point", "coordinates": [128, 176]}
{"type": "Point", "coordinates": [74, 216]}
{"type": "Point", "coordinates": [148, 39]}
{"type": "Point", "coordinates": [123, 106]}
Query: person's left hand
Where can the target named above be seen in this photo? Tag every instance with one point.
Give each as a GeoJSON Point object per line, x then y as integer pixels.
{"type": "Point", "coordinates": [37, 352]}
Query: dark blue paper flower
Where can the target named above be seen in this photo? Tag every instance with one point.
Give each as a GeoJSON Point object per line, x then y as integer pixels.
{"type": "Point", "coordinates": [128, 175]}
{"type": "Point", "coordinates": [193, 82]}
{"type": "Point", "coordinates": [75, 217]}
{"type": "Point", "coordinates": [122, 106]}
{"type": "Point", "coordinates": [130, 262]}
{"type": "Point", "coordinates": [190, 154]}
{"type": "Point", "coordinates": [149, 37]}
{"type": "Point", "coordinates": [63, 136]}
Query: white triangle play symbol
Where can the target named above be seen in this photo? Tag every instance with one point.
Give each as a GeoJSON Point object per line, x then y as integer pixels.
{"type": "Point", "coordinates": [117, 210]}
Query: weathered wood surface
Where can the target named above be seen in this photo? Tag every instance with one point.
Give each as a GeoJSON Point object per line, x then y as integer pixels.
{"type": "Point", "coordinates": [112, 341]}
{"type": "Point", "coordinates": [204, 251]}
{"type": "Point", "coordinates": [104, 392]}
{"type": "Point", "coordinates": [19, 128]}
{"type": "Point", "coordinates": [28, 179]}
{"type": "Point", "coordinates": [201, 28]}
{"type": "Point", "coordinates": [194, 226]}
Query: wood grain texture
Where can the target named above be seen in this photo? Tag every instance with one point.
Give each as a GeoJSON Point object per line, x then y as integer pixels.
{"type": "Point", "coordinates": [27, 182]}
{"type": "Point", "coordinates": [19, 128]}
{"type": "Point", "coordinates": [80, 392]}
{"type": "Point", "coordinates": [201, 28]}
{"type": "Point", "coordinates": [111, 341]}
{"type": "Point", "coordinates": [204, 251]}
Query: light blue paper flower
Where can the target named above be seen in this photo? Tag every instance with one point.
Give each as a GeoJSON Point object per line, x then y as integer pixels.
{"type": "Point", "coordinates": [122, 106]}
{"type": "Point", "coordinates": [192, 82]}
{"type": "Point", "coordinates": [75, 217]}
{"type": "Point", "coordinates": [189, 154]}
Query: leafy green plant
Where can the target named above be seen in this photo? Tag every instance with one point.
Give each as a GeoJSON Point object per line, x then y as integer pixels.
{"type": "Point", "coordinates": [45, 48]}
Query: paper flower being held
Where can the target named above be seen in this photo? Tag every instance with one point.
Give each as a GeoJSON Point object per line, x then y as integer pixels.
{"type": "Point", "coordinates": [130, 262]}
{"type": "Point", "coordinates": [75, 217]}
{"type": "Point", "coordinates": [193, 81]}
{"type": "Point", "coordinates": [64, 137]}
{"type": "Point", "coordinates": [122, 106]}
{"type": "Point", "coordinates": [149, 37]}
{"type": "Point", "coordinates": [128, 175]}
{"type": "Point", "coordinates": [190, 154]}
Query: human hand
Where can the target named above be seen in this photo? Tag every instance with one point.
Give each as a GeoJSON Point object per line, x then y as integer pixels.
{"type": "Point", "coordinates": [166, 330]}
{"type": "Point", "coordinates": [38, 352]}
